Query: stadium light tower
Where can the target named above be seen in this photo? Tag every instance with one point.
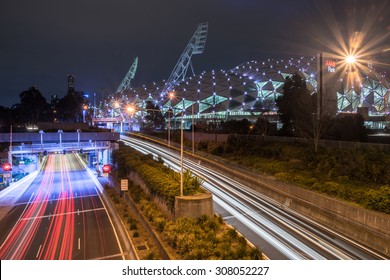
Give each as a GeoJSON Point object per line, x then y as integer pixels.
{"type": "Point", "coordinates": [125, 84]}
{"type": "Point", "coordinates": [195, 46]}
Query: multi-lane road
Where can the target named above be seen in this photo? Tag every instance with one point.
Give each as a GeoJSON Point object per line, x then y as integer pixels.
{"type": "Point", "coordinates": [278, 231]}
{"type": "Point", "coordinates": [60, 215]}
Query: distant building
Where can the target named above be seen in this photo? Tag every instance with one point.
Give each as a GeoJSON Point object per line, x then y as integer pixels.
{"type": "Point", "coordinates": [251, 89]}
{"type": "Point", "coordinates": [71, 82]}
{"type": "Point", "coordinates": [54, 107]}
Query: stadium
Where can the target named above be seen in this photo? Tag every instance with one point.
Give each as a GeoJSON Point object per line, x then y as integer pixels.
{"type": "Point", "coordinates": [249, 90]}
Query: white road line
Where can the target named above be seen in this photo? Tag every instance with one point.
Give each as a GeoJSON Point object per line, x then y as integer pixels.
{"type": "Point", "coordinates": [78, 244]}
{"type": "Point", "coordinates": [111, 256]}
{"type": "Point", "coordinates": [18, 221]}
{"type": "Point", "coordinates": [62, 214]}
{"type": "Point", "coordinates": [57, 199]}
{"type": "Point", "coordinates": [39, 250]}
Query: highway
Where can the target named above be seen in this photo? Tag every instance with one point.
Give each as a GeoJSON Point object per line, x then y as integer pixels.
{"type": "Point", "coordinates": [278, 231]}
{"type": "Point", "coordinates": [60, 216]}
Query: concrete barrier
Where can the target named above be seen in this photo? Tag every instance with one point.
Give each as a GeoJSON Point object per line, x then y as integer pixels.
{"type": "Point", "coordinates": [368, 227]}
{"type": "Point", "coordinates": [194, 206]}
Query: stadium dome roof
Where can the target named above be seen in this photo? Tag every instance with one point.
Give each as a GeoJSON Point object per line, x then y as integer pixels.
{"type": "Point", "coordinates": [252, 88]}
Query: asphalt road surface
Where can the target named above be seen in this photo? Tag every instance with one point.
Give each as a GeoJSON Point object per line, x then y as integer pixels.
{"type": "Point", "coordinates": [278, 231]}
{"type": "Point", "coordinates": [60, 216]}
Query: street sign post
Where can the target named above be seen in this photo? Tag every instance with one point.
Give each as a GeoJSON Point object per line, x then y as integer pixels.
{"type": "Point", "coordinates": [124, 185]}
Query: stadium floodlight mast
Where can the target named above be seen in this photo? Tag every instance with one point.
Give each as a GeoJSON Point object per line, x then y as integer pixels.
{"type": "Point", "coordinates": [195, 46]}
{"type": "Point", "coordinates": [125, 84]}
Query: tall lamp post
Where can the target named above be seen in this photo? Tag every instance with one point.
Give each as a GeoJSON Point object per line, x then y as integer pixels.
{"type": "Point", "coordinates": [60, 133]}
{"type": "Point", "coordinates": [171, 95]}
{"type": "Point", "coordinates": [85, 108]}
{"type": "Point", "coordinates": [41, 133]}
{"type": "Point", "coordinates": [193, 130]}
{"type": "Point", "coordinates": [10, 152]}
{"type": "Point", "coordinates": [130, 109]}
{"type": "Point", "coordinates": [78, 137]}
{"type": "Point", "coordinates": [182, 148]}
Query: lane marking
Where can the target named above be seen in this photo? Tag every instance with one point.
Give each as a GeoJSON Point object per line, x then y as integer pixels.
{"type": "Point", "coordinates": [61, 214]}
{"type": "Point", "coordinates": [18, 221]}
{"type": "Point", "coordinates": [112, 256]}
{"type": "Point", "coordinates": [39, 250]}
{"type": "Point", "coordinates": [57, 199]}
{"type": "Point", "coordinates": [78, 242]}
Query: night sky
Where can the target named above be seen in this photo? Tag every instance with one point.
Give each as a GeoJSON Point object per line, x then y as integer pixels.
{"type": "Point", "coordinates": [42, 41]}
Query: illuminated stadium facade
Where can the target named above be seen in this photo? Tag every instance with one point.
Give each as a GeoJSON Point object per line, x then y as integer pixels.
{"type": "Point", "coordinates": [250, 90]}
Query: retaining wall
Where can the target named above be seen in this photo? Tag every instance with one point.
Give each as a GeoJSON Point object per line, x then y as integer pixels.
{"type": "Point", "coordinates": [365, 226]}
{"type": "Point", "coordinates": [193, 206]}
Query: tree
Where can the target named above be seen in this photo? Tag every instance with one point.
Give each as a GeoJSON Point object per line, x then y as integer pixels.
{"type": "Point", "coordinates": [70, 107]}
{"type": "Point", "coordinates": [348, 128]}
{"type": "Point", "coordinates": [154, 118]}
{"type": "Point", "coordinates": [236, 126]}
{"type": "Point", "coordinates": [262, 127]}
{"type": "Point", "coordinates": [5, 118]}
{"type": "Point", "coordinates": [298, 111]}
{"type": "Point", "coordinates": [33, 106]}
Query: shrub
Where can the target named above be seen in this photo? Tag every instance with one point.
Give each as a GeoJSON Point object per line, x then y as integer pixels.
{"type": "Point", "coordinates": [133, 225]}
{"type": "Point", "coordinates": [379, 199]}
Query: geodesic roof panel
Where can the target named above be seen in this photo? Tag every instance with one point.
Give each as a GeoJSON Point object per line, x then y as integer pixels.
{"type": "Point", "coordinates": [255, 85]}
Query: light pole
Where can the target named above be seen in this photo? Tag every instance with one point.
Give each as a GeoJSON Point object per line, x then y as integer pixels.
{"type": "Point", "coordinates": [85, 108]}
{"type": "Point", "coordinates": [94, 104]}
{"type": "Point", "coordinates": [78, 137]}
{"type": "Point", "coordinates": [181, 154]}
{"type": "Point", "coordinates": [181, 149]}
{"type": "Point", "coordinates": [10, 152]}
{"type": "Point", "coordinates": [41, 133]}
{"type": "Point", "coordinates": [169, 128]}
{"type": "Point", "coordinates": [171, 95]}
{"type": "Point", "coordinates": [193, 130]}
{"type": "Point", "coordinates": [60, 133]}
{"type": "Point", "coordinates": [130, 109]}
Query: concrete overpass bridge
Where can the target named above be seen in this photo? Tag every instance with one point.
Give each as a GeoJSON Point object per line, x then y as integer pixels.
{"type": "Point", "coordinates": [30, 147]}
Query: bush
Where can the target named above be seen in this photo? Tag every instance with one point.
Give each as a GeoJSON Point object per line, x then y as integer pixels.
{"type": "Point", "coordinates": [161, 181]}
{"type": "Point", "coordinates": [202, 146]}
{"type": "Point", "coordinates": [379, 199]}
{"type": "Point", "coordinates": [133, 225]}
{"type": "Point", "coordinates": [207, 238]}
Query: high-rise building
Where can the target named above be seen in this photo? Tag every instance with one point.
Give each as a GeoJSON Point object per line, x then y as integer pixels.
{"type": "Point", "coordinates": [70, 83]}
{"type": "Point", "coordinates": [54, 107]}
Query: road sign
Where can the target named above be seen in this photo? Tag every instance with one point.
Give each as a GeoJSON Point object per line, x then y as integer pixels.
{"type": "Point", "coordinates": [106, 168]}
{"type": "Point", "coordinates": [124, 185]}
{"type": "Point", "coordinates": [7, 167]}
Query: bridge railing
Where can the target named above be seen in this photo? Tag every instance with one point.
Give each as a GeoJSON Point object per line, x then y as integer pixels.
{"type": "Point", "coordinates": [58, 147]}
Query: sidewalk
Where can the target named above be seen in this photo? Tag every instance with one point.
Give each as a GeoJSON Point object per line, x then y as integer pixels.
{"type": "Point", "coordinates": [11, 194]}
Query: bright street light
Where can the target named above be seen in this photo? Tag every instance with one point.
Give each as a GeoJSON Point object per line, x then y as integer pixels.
{"type": "Point", "coordinates": [171, 94]}
{"type": "Point", "coordinates": [351, 59]}
{"type": "Point", "coordinates": [130, 109]}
